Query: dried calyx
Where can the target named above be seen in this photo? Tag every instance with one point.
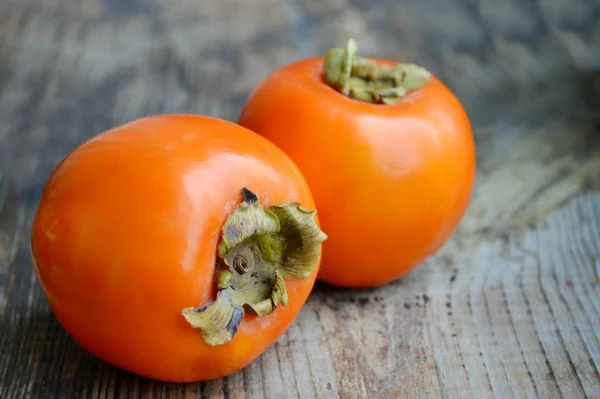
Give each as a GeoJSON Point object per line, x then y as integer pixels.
{"type": "Point", "coordinates": [362, 79]}
{"type": "Point", "coordinates": [260, 248]}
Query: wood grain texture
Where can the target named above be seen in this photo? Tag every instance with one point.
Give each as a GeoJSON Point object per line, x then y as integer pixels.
{"type": "Point", "coordinates": [510, 307]}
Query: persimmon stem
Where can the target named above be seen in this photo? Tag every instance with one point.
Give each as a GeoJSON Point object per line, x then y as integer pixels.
{"type": "Point", "coordinates": [260, 248]}
{"type": "Point", "coordinates": [362, 79]}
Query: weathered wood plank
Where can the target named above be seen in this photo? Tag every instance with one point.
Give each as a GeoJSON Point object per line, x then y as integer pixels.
{"type": "Point", "coordinates": [509, 308]}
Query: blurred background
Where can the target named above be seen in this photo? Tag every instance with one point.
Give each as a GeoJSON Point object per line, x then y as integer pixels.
{"type": "Point", "coordinates": [527, 72]}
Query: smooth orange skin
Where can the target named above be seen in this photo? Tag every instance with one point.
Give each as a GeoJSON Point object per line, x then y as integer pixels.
{"type": "Point", "coordinates": [391, 182]}
{"type": "Point", "coordinates": [126, 233]}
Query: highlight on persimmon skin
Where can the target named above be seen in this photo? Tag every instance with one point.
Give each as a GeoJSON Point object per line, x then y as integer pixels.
{"type": "Point", "coordinates": [387, 150]}
{"type": "Point", "coordinates": [163, 246]}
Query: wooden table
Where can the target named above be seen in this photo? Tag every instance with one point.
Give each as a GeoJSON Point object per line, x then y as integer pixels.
{"type": "Point", "coordinates": [510, 307]}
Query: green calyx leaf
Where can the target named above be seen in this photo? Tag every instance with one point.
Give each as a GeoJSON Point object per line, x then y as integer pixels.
{"type": "Point", "coordinates": [300, 249]}
{"type": "Point", "coordinates": [362, 79]}
{"type": "Point", "coordinates": [218, 321]}
{"type": "Point", "coordinates": [260, 248]}
{"type": "Point", "coordinates": [249, 219]}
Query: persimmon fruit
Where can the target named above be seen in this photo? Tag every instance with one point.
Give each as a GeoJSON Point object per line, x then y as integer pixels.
{"type": "Point", "coordinates": [387, 150]}
{"type": "Point", "coordinates": [176, 247]}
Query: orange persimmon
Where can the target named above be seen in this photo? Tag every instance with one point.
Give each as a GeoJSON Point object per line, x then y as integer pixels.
{"type": "Point", "coordinates": [387, 151]}
{"type": "Point", "coordinates": [176, 247]}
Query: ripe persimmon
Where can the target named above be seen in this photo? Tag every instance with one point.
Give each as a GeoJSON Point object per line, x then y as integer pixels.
{"type": "Point", "coordinates": [176, 247]}
{"type": "Point", "coordinates": [387, 150]}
